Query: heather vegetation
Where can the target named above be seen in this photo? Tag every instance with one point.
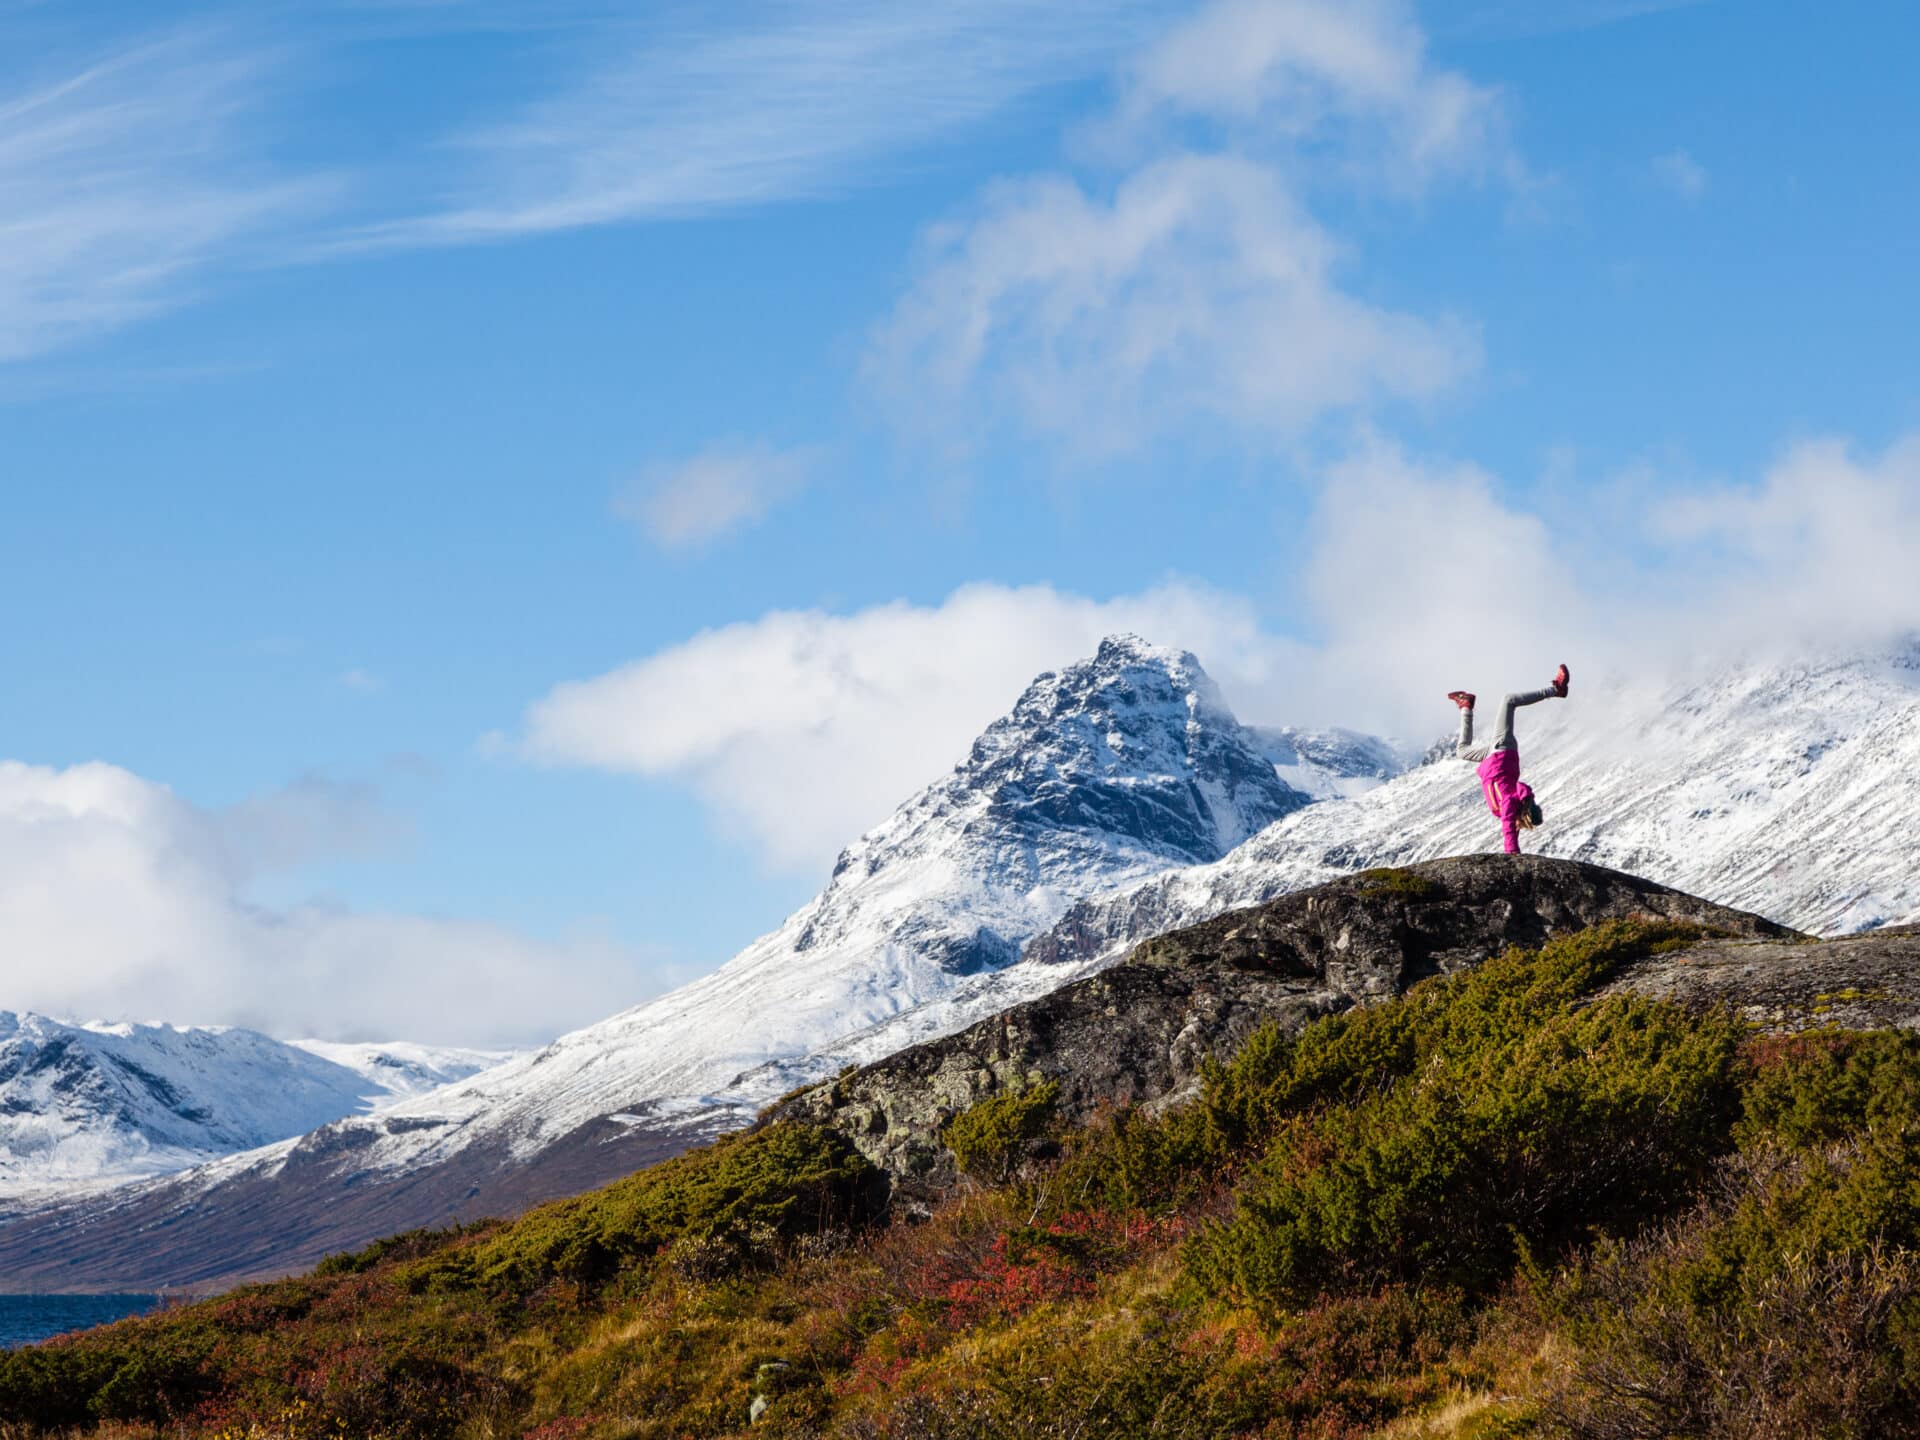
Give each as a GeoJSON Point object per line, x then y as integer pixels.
{"type": "Point", "coordinates": [1499, 1206]}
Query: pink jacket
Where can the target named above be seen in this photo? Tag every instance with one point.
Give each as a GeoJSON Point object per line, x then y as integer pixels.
{"type": "Point", "coordinates": [1507, 794]}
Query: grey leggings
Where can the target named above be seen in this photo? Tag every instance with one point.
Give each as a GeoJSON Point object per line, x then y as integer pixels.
{"type": "Point", "coordinates": [1503, 738]}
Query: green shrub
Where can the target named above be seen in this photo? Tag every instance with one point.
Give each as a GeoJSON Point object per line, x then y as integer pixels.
{"type": "Point", "coordinates": [737, 1194]}
{"type": "Point", "coordinates": [1421, 1140]}
{"type": "Point", "coordinates": [1814, 1088]}
{"type": "Point", "coordinates": [989, 1139]}
{"type": "Point", "coordinates": [151, 1372]}
{"type": "Point", "coordinates": [1787, 1304]}
{"type": "Point", "coordinates": [408, 1245]}
{"type": "Point", "coordinates": [1153, 1369]}
{"type": "Point", "coordinates": [1127, 1161]}
{"type": "Point", "coordinates": [1155, 1164]}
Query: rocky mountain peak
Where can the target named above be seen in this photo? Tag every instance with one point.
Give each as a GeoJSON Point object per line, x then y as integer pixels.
{"type": "Point", "coordinates": [1137, 743]}
{"type": "Point", "coordinates": [1127, 678]}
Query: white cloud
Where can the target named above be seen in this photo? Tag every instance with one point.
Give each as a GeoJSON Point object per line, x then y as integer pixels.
{"type": "Point", "coordinates": [805, 728]}
{"type": "Point", "coordinates": [1821, 550]}
{"type": "Point", "coordinates": [1424, 577]}
{"type": "Point", "coordinates": [1547, 17]}
{"type": "Point", "coordinates": [118, 899]}
{"type": "Point", "coordinates": [783, 101]}
{"type": "Point", "coordinates": [715, 492]}
{"type": "Point", "coordinates": [1681, 173]}
{"type": "Point", "coordinates": [1293, 70]}
{"type": "Point", "coordinates": [1195, 287]}
{"type": "Point", "coordinates": [122, 181]}
{"type": "Point", "coordinates": [363, 682]}
{"type": "Point", "coordinates": [1423, 581]}
{"type": "Point", "coordinates": [314, 818]}
{"type": "Point", "coordinates": [1200, 289]}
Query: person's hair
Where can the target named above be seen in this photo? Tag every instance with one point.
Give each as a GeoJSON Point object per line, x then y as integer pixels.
{"type": "Point", "coordinates": [1530, 815]}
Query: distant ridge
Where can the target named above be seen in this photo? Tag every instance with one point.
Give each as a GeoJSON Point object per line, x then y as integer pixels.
{"type": "Point", "coordinates": [87, 1107]}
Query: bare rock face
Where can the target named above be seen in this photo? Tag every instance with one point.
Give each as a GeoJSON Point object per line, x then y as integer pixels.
{"type": "Point", "coordinates": [1857, 982]}
{"type": "Point", "coordinates": [1139, 1032]}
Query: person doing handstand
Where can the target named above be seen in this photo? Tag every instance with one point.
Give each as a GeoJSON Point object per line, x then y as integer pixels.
{"type": "Point", "coordinates": [1508, 796]}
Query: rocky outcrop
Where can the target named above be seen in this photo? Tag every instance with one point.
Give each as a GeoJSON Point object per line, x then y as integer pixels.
{"type": "Point", "coordinates": [1857, 982]}
{"type": "Point", "coordinates": [1140, 1032]}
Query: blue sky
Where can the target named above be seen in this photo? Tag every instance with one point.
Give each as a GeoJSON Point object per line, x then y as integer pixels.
{"type": "Point", "coordinates": [530, 481]}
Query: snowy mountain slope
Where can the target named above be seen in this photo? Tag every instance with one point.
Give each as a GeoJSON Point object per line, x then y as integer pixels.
{"type": "Point", "coordinates": [87, 1106]}
{"type": "Point", "coordinates": [1787, 789]}
{"type": "Point", "coordinates": [1103, 774]}
{"type": "Point", "coordinates": [397, 1070]}
{"type": "Point", "coordinates": [1332, 764]}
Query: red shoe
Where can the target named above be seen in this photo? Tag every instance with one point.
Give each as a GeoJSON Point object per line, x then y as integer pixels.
{"type": "Point", "coordinates": [1464, 699]}
{"type": "Point", "coordinates": [1560, 678]}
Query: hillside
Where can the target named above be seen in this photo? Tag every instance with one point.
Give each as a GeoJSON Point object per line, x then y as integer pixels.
{"type": "Point", "coordinates": [1516, 1191]}
{"type": "Point", "coordinates": [1142, 1032]}
{"type": "Point", "coordinates": [1106, 772]}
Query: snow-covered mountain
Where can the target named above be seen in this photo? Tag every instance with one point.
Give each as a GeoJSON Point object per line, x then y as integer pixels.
{"type": "Point", "coordinates": [1107, 772]}
{"type": "Point", "coordinates": [1099, 812]}
{"type": "Point", "coordinates": [1788, 789]}
{"type": "Point", "coordinates": [88, 1106]}
{"type": "Point", "coordinates": [1104, 774]}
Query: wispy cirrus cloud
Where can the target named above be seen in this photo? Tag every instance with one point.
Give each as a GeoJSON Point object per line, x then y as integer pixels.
{"type": "Point", "coordinates": [1196, 286]}
{"type": "Point", "coordinates": [134, 174]}
{"type": "Point", "coordinates": [126, 178]}
{"type": "Point", "coordinates": [682, 116]}
{"type": "Point", "coordinates": [1198, 289]}
{"type": "Point", "coordinates": [724, 488]}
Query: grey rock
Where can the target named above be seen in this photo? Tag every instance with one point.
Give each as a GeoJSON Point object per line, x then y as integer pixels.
{"type": "Point", "coordinates": [1856, 982]}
